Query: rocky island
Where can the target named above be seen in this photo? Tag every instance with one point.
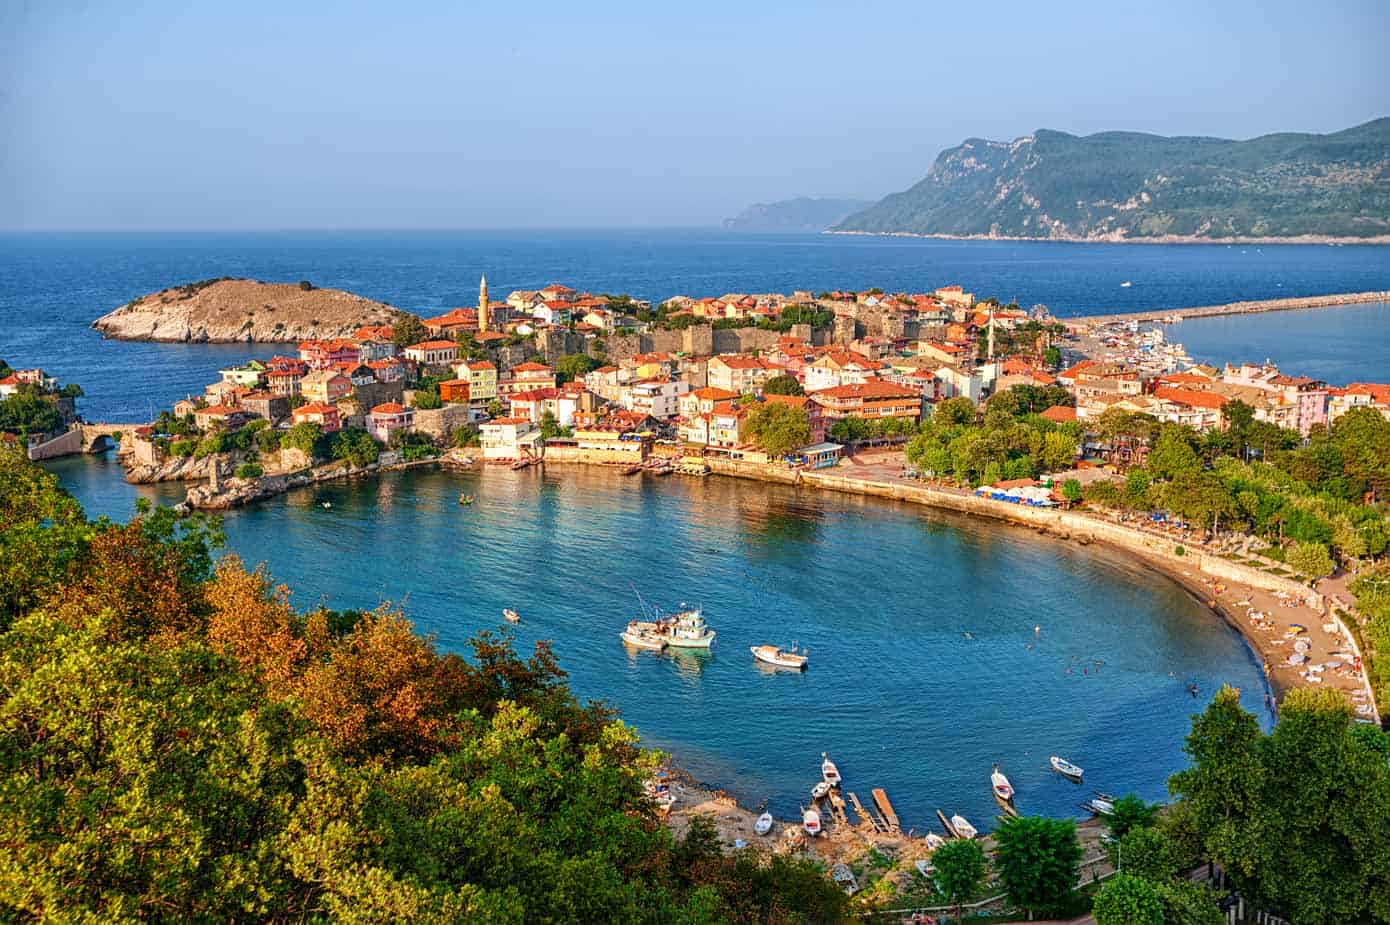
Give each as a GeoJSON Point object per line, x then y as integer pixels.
{"type": "Point", "coordinates": [231, 310]}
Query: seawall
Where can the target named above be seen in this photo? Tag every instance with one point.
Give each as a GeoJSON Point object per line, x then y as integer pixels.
{"type": "Point", "coordinates": [1240, 308]}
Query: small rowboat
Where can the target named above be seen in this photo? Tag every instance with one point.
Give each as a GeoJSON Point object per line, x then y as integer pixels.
{"type": "Point", "coordinates": [810, 821]}
{"type": "Point", "coordinates": [925, 868]}
{"type": "Point", "coordinates": [1099, 807]}
{"type": "Point", "coordinates": [934, 841]}
{"type": "Point", "coordinates": [1066, 768]}
{"type": "Point", "coordinates": [780, 658]}
{"type": "Point", "coordinates": [511, 615]}
{"type": "Point", "coordinates": [962, 827]}
{"type": "Point", "coordinates": [829, 771]}
{"type": "Point", "coordinates": [820, 790]}
{"type": "Point", "coordinates": [465, 500]}
{"type": "Point", "coordinates": [1003, 790]}
{"type": "Point", "coordinates": [764, 824]}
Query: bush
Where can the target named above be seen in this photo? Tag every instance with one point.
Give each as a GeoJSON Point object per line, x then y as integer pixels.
{"type": "Point", "coordinates": [183, 447]}
{"type": "Point", "coordinates": [1128, 900]}
{"type": "Point", "coordinates": [249, 471]}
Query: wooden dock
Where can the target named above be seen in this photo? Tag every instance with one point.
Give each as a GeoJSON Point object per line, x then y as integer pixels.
{"type": "Point", "coordinates": [885, 808]}
{"type": "Point", "coordinates": [863, 814]}
{"type": "Point", "coordinates": [946, 824]}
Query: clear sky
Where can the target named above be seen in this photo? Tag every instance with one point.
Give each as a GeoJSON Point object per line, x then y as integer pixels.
{"type": "Point", "coordinates": [183, 114]}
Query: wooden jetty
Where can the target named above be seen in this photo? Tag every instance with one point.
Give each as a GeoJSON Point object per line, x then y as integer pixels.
{"type": "Point", "coordinates": [837, 808]}
{"type": "Point", "coordinates": [946, 824]}
{"type": "Point", "coordinates": [890, 818]}
{"type": "Point", "coordinates": [861, 812]}
{"type": "Point", "coordinates": [1007, 806]}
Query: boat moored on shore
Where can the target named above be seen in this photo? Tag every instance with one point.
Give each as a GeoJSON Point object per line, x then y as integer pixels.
{"type": "Point", "coordinates": [1003, 790]}
{"type": "Point", "coordinates": [828, 771]}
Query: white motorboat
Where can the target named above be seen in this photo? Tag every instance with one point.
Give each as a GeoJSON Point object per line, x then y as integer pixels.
{"type": "Point", "coordinates": [687, 630]}
{"type": "Point", "coordinates": [643, 635]}
{"type": "Point", "coordinates": [962, 827]}
{"type": "Point", "coordinates": [764, 824]}
{"type": "Point", "coordinates": [511, 615]}
{"type": "Point", "coordinates": [781, 658]}
{"type": "Point", "coordinates": [1099, 807]}
{"type": "Point", "coordinates": [810, 821]}
{"type": "Point", "coordinates": [828, 771]}
{"type": "Point", "coordinates": [1003, 790]}
{"type": "Point", "coordinates": [934, 841]}
{"type": "Point", "coordinates": [1064, 767]}
{"type": "Point", "coordinates": [819, 791]}
{"type": "Point", "coordinates": [1126, 284]}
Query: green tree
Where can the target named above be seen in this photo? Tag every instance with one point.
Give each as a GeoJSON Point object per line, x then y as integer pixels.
{"type": "Point", "coordinates": [777, 428]}
{"type": "Point", "coordinates": [1131, 812]}
{"type": "Point", "coordinates": [307, 437]}
{"type": "Point", "coordinates": [783, 385]}
{"type": "Point", "coordinates": [1173, 454]}
{"type": "Point", "coordinates": [426, 399]}
{"type": "Point", "coordinates": [495, 408]}
{"type": "Point", "coordinates": [573, 366]}
{"type": "Point", "coordinates": [1128, 900]}
{"type": "Point", "coordinates": [1311, 559]}
{"type": "Point", "coordinates": [960, 410]}
{"type": "Point", "coordinates": [407, 329]}
{"type": "Point", "coordinates": [1147, 852]}
{"type": "Point", "coordinates": [354, 445]}
{"type": "Point", "coordinates": [1071, 490]}
{"type": "Point", "coordinates": [960, 869]}
{"type": "Point", "coordinates": [1038, 860]}
{"type": "Point", "coordinates": [1058, 451]}
{"type": "Point", "coordinates": [29, 411]}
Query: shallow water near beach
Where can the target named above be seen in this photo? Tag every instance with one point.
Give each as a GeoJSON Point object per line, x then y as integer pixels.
{"type": "Point", "coordinates": [925, 667]}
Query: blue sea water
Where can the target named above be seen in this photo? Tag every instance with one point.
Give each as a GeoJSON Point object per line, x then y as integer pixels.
{"type": "Point", "coordinates": [925, 667]}
{"type": "Point", "coordinates": [883, 595]}
{"type": "Point", "coordinates": [52, 286]}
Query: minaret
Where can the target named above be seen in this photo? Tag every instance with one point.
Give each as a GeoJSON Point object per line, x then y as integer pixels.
{"type": "Point", "coordinates": [483, 319]}
{"type": "Point", "coordinates": [991, 331]}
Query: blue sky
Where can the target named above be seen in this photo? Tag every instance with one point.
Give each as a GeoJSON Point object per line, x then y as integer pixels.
{"type": "Point", "coordinates": [148, 114]}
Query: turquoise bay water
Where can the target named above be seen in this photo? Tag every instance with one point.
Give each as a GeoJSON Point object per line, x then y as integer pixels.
{"type": "Point", "coordinates": [1337, 345]}
{"type": "Point", "coordinates": [881, 594]}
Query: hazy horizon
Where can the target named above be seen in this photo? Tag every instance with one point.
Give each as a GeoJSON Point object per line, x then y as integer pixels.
{"type": "Point", "coordinates": [425, 117]}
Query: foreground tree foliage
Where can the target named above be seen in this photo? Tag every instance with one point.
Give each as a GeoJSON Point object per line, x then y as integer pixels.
{"type": "Point", "coordinates": [1039, 861]}
{"type": "Point", "coordinates": [1299, 818]}
{"type": "Point", "coordinates": [181, 744]}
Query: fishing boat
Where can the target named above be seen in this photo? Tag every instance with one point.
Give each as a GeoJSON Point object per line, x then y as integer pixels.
{"type": "Point", "coordinates": [1066, 768]}
{"type": "Point", "coordinates": [828, 771]}
{"type": "Point", "coordinates": [1003, 790]}
{"type": "Point", "coordinates": [641, 634]}
{"type": "Point", "coordinates": [764, 824]}
{"type": "Point", "coordinates": [686, 630]}
{"type": "Point", "coordinates": [1099, 807]}
{"type": "Point", "coordinates": [810, 821]}
{"type": "Point", "coordinates": [465, 499]}
{"type": "Point", "coordinates": [820, 790]}
{"type": "Point", "coordinates": [632, 470]}
{"type": "Point", "coordinates": [522, 463]}
{"type": "Point", "coordinates": [511, 615]}
{"type": "Point", "coordinates": [962, 827]}
{"type": "Point", "coordinates": [781, 658]}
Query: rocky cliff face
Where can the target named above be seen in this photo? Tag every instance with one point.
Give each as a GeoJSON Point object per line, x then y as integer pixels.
{"type": "Point", "coordinates": [230, 310]}
{"type": "Point", "coordinates": [1128, 186]}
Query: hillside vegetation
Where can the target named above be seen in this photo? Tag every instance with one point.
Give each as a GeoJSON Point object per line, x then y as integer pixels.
{"type": "Point", "coordinates": [1126, 185]}
{"type": "Point", "coordinates": [180, 744]}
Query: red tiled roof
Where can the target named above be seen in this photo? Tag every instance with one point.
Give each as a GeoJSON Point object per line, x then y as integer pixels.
{"type": "Point", "coordinates": [1060, 414]}
{"type": "Point", "coordinates": [710, 393]}
{"type": "Point", "coordinates": [315, 408]}
{"type": "Point", "coordinates": [874, 388]}
{"type": "Point", "coordinates": [433, 345]}
{"type": "Point", "coordinates": [389, 407]}
{"type": "Point", "coordinates": [531, 368]}
{"type": "Point", "coordinates": [1191, 397]}
{"type": "Point", "coordinates": [481, 365]}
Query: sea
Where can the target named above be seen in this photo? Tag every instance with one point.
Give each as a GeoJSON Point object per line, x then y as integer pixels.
{"type": "Point", "coordinates": [939, 646]}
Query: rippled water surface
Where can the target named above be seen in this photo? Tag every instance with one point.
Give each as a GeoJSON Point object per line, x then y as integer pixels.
{"type": "Point", "coordinates": [925, 667]}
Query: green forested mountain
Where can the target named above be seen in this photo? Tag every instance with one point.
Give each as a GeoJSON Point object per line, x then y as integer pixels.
{"type": "Point", "coordinates": [1123, 185]}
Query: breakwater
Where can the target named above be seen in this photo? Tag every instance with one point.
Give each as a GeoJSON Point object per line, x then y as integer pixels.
{"type": "Point", "coordinates": [1241, 308]}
